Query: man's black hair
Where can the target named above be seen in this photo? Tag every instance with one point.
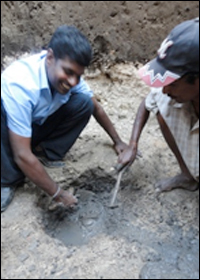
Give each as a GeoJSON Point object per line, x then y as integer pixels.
{"type": "Point", "coordinates": [69, 41]}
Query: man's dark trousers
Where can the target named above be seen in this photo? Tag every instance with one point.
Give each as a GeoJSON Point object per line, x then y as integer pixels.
{"type": "Point", "coordinates": [56, 135]}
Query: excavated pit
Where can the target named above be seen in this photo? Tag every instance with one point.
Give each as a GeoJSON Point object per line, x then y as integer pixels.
{"type": "Point", "coordinates": [169, 255]}
{"type": "Point", "coordinates": [92, 215]}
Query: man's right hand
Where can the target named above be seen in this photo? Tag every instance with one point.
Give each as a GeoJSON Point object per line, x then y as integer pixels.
{"type": "Point", "coordinates": [126, 158]}
{"type": "Point", "coordinates": [66, 198]}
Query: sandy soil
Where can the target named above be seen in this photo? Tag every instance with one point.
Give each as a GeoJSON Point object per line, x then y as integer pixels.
{"type": "Point", "coordinates": [146, 237]}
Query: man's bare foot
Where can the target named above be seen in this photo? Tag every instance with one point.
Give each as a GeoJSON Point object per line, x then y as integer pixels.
{"type": "Point", "coordinates": [179, 181]}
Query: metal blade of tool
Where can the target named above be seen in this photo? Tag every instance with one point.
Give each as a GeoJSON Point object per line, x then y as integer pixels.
{"type": "Point", "coordinates": [116, 188]}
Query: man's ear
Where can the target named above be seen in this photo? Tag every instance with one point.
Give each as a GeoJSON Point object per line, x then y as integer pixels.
{"type": "Point", "coordinates": [50, 56]}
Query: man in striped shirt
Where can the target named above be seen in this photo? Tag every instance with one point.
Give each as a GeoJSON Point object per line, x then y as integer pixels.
{"type": "Point", "coordinates": [174, 78]}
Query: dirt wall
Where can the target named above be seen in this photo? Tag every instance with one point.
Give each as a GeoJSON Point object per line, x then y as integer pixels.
{"type": "Point", "coordinates": [118, 30]}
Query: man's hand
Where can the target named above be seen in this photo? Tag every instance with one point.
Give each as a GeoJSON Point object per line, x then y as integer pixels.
{"type": "Point", "coordinates": [66, 198]}
{"type": "Point", "coordinates": [127, 157]}
{"type": "Point", "coordinates": [120, 147]}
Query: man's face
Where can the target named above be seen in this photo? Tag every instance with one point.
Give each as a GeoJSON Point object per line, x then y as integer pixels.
{"type": "Point", "coordinates": [62, 73]}
{"type": "Point", "coordinates": [181, 91]}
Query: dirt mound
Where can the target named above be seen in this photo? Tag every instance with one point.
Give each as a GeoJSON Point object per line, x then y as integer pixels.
{"type": "Point", "coordinates": [118, 31]}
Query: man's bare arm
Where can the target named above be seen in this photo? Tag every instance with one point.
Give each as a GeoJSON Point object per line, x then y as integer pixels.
{"type": "Point", "coordinates": [130, 154]}
{"type": "Point", "coordinates": [33, 169]}
{"type": "Point", "coordinates": [103, 119]}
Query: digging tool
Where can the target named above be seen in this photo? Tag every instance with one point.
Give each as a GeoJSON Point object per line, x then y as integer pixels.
{"type": "Point", "coordinates": [116, 188]}
{"type": "Point", "coordinates": [117, 184]}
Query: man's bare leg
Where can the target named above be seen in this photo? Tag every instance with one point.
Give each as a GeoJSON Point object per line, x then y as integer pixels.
{"type": "Point", "coordinates": [183, 180]}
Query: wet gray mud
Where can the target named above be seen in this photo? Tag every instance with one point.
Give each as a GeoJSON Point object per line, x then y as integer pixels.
{"type": "Point", "coordinates": [171, 257]}
{"type": "Point", "coordinates": [76, 227]}
{"type": "Point", "coordinates": [92, 215]}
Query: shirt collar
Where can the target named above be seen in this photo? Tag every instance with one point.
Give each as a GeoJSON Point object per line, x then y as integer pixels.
{"type": "Point", "coordinates": [43, 74]}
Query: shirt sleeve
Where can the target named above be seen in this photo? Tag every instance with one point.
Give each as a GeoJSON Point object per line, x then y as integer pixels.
{"type": "Point", "coordinates": [18, 109]}
{"type": "Point", "coordinates": [82, 87]}
{"type": "Point", "coordinates": [151, 101]}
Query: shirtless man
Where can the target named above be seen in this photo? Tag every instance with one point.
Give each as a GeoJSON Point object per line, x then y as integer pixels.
{"type": "Point", "coordinates": [174, 98]}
